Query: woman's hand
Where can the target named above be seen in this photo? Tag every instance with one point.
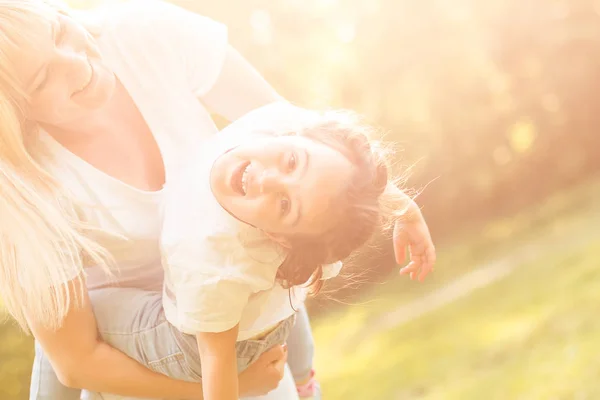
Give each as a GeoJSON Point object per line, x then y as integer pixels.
{"type": "Point", "coordinates": [82, 361]}
{"type": "Point", "coordinates": [265, 374]}
{"type": "Point", "coordinates": [412, 232]}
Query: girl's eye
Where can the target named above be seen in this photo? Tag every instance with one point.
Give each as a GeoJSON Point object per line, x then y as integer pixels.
{"type": "Point", "coordinates": [284, 206]}
{"type": "Point", "coordinates": [292, 163]}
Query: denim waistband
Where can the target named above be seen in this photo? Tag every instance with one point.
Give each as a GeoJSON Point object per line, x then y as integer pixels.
{"type": "Point", "coordinates": [248, 351]}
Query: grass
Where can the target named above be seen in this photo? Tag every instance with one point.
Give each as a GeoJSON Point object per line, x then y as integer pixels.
{"type": "Point", "coordinates": [16, 356]}
{"type": "Point", "coordinates": [532, 335]}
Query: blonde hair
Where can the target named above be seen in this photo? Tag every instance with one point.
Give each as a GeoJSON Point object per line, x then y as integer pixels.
{"type": "Point", "coordinates": [42, 238]}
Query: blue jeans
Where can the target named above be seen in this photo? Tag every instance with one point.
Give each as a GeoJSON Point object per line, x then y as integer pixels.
{"type": "Point", "coordinates": [163, 348]}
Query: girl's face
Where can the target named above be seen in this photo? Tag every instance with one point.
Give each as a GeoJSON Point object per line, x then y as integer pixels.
{"type": "Point", "coordinates": [282, 185]}
{"type": "Point", "coordinates": [62, 71]}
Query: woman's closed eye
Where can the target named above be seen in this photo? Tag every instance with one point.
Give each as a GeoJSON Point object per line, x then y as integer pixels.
{"type": "Point", "coordinates": [58, 32]}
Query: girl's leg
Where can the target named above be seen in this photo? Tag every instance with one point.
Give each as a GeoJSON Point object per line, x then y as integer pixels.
{"type": "Point", "coordinates": [44, 382]}
{"type": "Point", "coordinates": [301, 347]}
{"type": "Point", "coordinates": [285, 391]}
{"type": "Point", "coordinates": [301, 350]}
{"type": "Point", "coordinates": [139, 330]}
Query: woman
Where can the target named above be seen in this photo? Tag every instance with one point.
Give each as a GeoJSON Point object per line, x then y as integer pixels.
{"type": "Point", "coordinates": [100, 117]}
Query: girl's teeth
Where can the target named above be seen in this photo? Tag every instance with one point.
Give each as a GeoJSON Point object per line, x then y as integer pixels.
{"type": "Point", "coordinates": [244, 179]}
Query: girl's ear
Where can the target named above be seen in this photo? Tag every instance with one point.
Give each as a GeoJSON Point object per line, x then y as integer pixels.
{"type": "Point", "coordinates": [280, 239]}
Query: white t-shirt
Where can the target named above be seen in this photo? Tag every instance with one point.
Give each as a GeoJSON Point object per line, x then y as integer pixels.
{"type": "Point", "coordinates": [220, 271]}
{"type": "Point", "coordinates": [167, 58]}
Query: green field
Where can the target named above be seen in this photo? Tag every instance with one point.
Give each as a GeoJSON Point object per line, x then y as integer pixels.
{"type": "Point", "coordinates": [532, 334]}
{"type": "Point", "coordinates": [16, 353]}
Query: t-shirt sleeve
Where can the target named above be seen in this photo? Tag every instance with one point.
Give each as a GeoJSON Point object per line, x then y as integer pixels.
{"type": "Point", "coordinates": [212, 283]}
{"type": "Point", "coordinates": [201, 42]}
{"type": "Point", "coordinates": [189, 45]}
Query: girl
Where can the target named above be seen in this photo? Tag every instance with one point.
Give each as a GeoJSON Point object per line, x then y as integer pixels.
{"type": "Point", "coordinates": [259, 213]}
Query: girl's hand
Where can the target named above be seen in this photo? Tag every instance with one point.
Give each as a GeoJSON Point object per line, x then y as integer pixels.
{"type": "Point", "coordinates": [412, 232]}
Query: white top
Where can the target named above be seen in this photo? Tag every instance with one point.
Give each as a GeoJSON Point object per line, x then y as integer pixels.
{"type": "Point", "coordinates": [219, 271]}
{"type": "Point", "coordinates": [167, 58]}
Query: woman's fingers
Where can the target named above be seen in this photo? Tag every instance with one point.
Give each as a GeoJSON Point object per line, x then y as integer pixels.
{"type": "Point", "coordinates": [275, 354]}
{"type": "Point", "coordinates": [279, 364]}
{"type": "Point", "coordinates": [265, 374]}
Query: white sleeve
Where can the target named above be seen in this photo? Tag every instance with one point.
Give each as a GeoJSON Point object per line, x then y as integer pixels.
{"type": "Point", "coordinates": [190, 45]}
{"type": "Point", "coordinates": [202, 43]}
{"type": "Point", "coordinates": [212, 285]}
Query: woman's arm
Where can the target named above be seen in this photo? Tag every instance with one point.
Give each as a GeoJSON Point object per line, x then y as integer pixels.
{"type": "Point", "coordinates": [239, 88]}
{"type": "Point", "coordinates": [219, 364]}
{"type": "Point", "coordinates": [82, 360]}
{"type": "Point", "coordinates": [192, 46]}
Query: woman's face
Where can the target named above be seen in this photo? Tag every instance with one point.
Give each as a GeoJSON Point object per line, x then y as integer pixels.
{"type": "Point", "coordinates": [282, 185]}
{"type": "Point", "coordinates": [63, 72]}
